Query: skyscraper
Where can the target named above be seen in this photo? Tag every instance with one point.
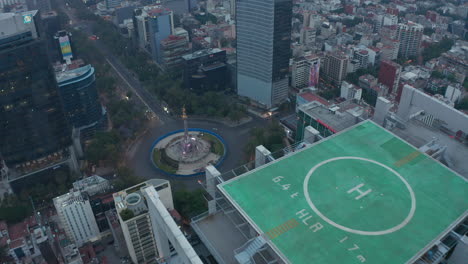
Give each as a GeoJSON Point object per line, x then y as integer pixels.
{"type": "Point", "coordinates": [76, 216]}
{"type": "Point", "coordinates": [263, 49]}
{"type": "Point", "coordinates": [77, 88]}
{"type": "Point", "coordinates": [160, 27]}
{"type": "Point", "coordinates": [410, 36]}
{"type": "Point", "coordinates": [33, 129]}
{"type": "Point", "coordinates": [143, 244]}
{"type": "Point", "coordinates": [153, 25]}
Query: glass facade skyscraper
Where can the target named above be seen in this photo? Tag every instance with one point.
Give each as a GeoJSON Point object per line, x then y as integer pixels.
{"type": "Point", "coordinates": [77, 87]}
{"type": "Point", "coordinates": [160, 27]}
{"type": "Point", "coordinates": [33, 128]}
{"type": "Point", "coordinates": [263, 49]}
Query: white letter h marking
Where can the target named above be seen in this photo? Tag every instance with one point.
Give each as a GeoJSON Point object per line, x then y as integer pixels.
{"type": "Point", "coordinates": [361, 193]}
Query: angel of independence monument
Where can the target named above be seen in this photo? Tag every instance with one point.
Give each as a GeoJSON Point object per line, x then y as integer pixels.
{"type": "Point", "coordinates": [187, 152]}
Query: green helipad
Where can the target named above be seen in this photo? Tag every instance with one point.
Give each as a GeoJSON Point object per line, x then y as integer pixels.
{"type": "Point", "coordinates": [363, 195]}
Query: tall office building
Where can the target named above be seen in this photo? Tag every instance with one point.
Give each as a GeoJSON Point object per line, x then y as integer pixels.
{"type": "Point", "coordinates": [136, 223]}
{"type": "Point", "coordinates": [362, 57]}
{"type": "Point", "coordinates": [335, 67]}
{"type": "Point", "coordinates": [160, 27]}
{"type": "Point", "coordinates": [76, 217]}
{"type": "Point", "coordinates": [77, 88]}
{"type": "Point", "coordinates": [153, 25]}
{"type": "Point", "coordinates": [205, 70]}
{"type": "Point", "coordinates": [263, 49]}
{"type": "Point", "coordinates": [50, 26]}
{"type": "Point", "coordinates": [410, 36]}
{"type": "Point", "coordinates": [305, 71]}
{"type": "Point", "coordinates": [33, 129]}
{"type": "Point", "coordinates": [172, 49]}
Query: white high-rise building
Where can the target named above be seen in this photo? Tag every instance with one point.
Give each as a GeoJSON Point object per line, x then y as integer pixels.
{"type": "Point", "coordinates": [362, 56]}
{"type": "Point", "coordinates": [350, 91]}
{"type": "Point", "coordinates": [302, 69]}
{"type": "Point", "coordinates": [76, 217]}
{"type": "Point", "coordinates": [410, 36]}
{"type": "Point", "coordinates": [135, 221]}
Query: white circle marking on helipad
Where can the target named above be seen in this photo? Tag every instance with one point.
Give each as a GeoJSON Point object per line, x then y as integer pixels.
{"type": "Point", "coordinates": [360, 232]}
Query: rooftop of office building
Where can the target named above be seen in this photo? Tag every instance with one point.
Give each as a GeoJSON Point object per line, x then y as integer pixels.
{"type": "Point", "coordinates": [419, 134]}
{"type": "Point", "coordinates": [133, 199]}
{"type": "Point", "coordinates": [71, 73]}
{"type": "Point", "coordinates": [201, 53]}
{"type": "Point", "coordinates": [15, 23]}
{"type": "Point", "coordinates": [337, 116]}
{"type": "Point", "coordinates": [362, 195]}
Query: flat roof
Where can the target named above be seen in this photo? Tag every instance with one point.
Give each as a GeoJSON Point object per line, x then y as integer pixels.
{"type": "Point", "coordinates": [363, 195]}
{"type": "Point", "coordinates": [64, 76]}
{"type": "Point", "coordinates": [201, 53]}
{"type": "Point", "coordinates": [339, 117]}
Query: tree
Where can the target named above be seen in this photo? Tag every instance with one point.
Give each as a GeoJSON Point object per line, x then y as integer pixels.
{"type": "Point", "coordinates": [330, 94]}
{"type": "Point", "coordinates": [190, 203]}
{"type": "Point", "coordinates": [224, 42]}
{"type": "Point", "coordinates": [369, 98]}
{"type": "Point", "coordinates": [271, 138]}
{"type": "Point", "coordinates": [203, 19]}
{"type": "Point", "coordinates": [437, 75]}
{"type": "Point", "coordinates": [463, 104]}
{"type": "Point", "coordinates": [126, 178]}
{"type": "Point", "coordinates": [428, 31]}
{"type": "Point", "coordinates": [235, 115]}
{"type": "Point", "coordinates": [3, 252]}
{"type": "Point", "coordinates": [14, 213]}
{"type": "Point", "coordinates": [126, 214]}
{"type": "Point", "coordinates": [104, 146]}
{"type": "Point", "coordinates": [352, 22]}
{"type": "Point", "coordinates": [436, 49]}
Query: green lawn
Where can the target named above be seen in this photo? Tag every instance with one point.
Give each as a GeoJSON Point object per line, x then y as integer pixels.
{"type": "Point", "coordinates": [217, 145]}
{"type": "Point", "coordinates": [163, 166]}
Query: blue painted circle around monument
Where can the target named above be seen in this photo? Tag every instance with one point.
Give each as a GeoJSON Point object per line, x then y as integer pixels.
{"type": "Point", "coordinates": [218, 163]}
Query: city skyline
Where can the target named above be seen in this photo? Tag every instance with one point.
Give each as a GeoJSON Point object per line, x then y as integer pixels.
{"type": "Point", "coordinates": [299, 111]}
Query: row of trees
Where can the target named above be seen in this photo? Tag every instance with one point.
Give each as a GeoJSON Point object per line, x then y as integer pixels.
{"type": "Point", "coordinates": [436, 49]}
{"type": "Point", "coordinates": [167, 86]}
{"type": "Point", "coordinates": [271, 137]}
{"type": "Point", "coordinates": [16, 207]}
{"type": "Point", "coordinates": [190, 203]}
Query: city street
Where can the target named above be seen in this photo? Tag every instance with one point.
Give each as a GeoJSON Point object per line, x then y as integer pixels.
{"type": "Point", "coordinates": [124, 74]}
{"type": "Point", "coordinates": [235, 137]}
{"type": "Point", "coordinates": [138, 155]}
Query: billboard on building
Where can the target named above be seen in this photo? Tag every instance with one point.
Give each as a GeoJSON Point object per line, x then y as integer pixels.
{"type": "Point", "coordinates": [314, 74]}
{"type": "Point", "coordinates": [65, 47]}
{"type": "Point", "coordinates": [27, 18]}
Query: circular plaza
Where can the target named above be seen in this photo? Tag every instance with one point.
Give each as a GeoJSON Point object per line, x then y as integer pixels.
{"type": "Point", "coordinates": [187, 152]}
